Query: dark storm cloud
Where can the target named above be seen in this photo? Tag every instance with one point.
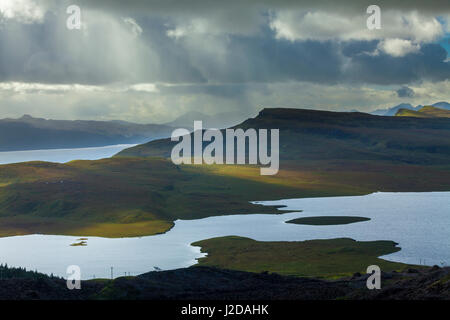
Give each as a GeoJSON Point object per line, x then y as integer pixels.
{"type": "Point", "coordinates": [266, 59]}
{"type": "Point", "coordinates": [405, 92]}
{"type": "Point", "coordinates": [427, 64]}
{"type": "Point", "coordinates": [312, 61]}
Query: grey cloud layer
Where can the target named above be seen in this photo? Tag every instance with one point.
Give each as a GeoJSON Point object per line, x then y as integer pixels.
{"type": "Point", "coordinates": [405, 92]}
{"type": "Point", "coordinates": [172, 6]}
{"type": "Point", "coordinates": [214, 56]}
{"type": "Point", "coordinates": [108, 51]}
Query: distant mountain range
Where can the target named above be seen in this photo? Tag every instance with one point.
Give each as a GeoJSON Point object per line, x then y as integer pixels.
{"type": "Point", "coordinates": [393, 111]}
{"type": "Point", "coordinates": [28, 133]}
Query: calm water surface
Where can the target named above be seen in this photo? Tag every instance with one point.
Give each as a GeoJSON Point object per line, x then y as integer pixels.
{"type": "Point", "coordinates": [62, 155]}
{"type": "Point", "coordinates": [419, 222]}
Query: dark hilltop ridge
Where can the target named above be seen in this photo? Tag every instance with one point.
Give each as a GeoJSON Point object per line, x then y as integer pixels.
{"type": "Point", "coordinates": [323, 135]}
{"type": "Point", "coordinates": [207, 283]}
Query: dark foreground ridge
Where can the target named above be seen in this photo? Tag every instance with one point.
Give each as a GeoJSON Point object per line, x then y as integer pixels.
{"type": "Point", "coordinates": [206, 283]}
{"type": "Point", "coordinates": [140, 192]}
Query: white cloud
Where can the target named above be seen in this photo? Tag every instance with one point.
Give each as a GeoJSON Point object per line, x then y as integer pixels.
{"type": "Point", "coordinates": [323, 25]}
{"type": "Point", "coordinates": [135, 27]}
{"type": "Point", "coordinates": [23, 87]}
{"type": "Point", "coordinates": [43, 88]}
{"type": "Point", "coordinates": [320, 25]}
{"type": "Point", "coordinates": [219, 22]}
{"type": "Point", "coordinates": [398, 47]}
{"type": "Point", "coordinates": [144, 87]}
{"type": "Point", "coordinates": [176, 33]}
{"type": "Point", "coordinates": [429, 92]}
{"type": "Point", "coordinates": [25, 11]}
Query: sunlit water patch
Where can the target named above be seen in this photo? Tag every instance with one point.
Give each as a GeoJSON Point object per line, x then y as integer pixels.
{"type": "Point", "coordinates": [62, 155]}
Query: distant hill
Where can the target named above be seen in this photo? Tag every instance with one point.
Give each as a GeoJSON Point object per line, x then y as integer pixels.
{"type": "Point", "coordinates": [412, 113]}
{"type": "Point", "coordinates": [425, 112]}
{"type": "Point", "coordinates": [442, 105]}
{"type": "Point", "coordinates": [393, 111]}
{"type": "Point", "coordinates": [322, 135]}
{"type": "Point", "coordinates": [220, 120]}
{"type": "Point", "coordinates": [28, 133]}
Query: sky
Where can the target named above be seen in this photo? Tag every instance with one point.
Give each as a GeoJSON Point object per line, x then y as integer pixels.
{"type": "Point", "coordinates": [151, 61]}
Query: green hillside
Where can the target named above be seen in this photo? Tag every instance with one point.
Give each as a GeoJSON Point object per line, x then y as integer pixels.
{"type": "Point", "coordinates": [331, 258]}
{"type": "Point", "coordinates": [322, 154]}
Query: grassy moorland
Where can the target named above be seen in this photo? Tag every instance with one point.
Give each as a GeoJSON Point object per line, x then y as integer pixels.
{"type": "Point", "coordinates": [327, 220]}
{"type": "Point", "coordinates": [333, 258]}
{"type": "Point", "coordinates": [135, 196]}
{"type": "Point", "coordinates": [141, 192]}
